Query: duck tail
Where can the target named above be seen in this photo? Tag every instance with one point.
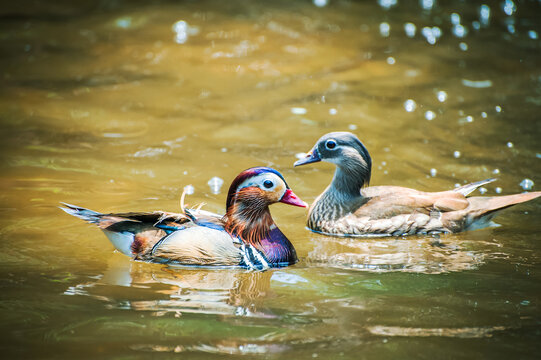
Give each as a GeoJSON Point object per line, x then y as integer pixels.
{"type": "Point", "coordinates": [483, 209]}
{"type": "Point", "coordinates": [469, 188]}
{"type": "Point", "coordinates": [81, 212]}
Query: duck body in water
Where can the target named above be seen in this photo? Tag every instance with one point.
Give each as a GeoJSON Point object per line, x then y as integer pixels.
{"type": "Point", "coordinates": [246, 236]}
{"type": "Point", "coordinates": [349, 208]}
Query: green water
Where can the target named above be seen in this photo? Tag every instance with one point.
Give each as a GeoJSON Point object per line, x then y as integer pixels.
{"type": "Point", "coordinates": [107, 105]}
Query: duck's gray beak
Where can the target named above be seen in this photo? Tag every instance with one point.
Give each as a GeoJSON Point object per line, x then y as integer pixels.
{"type": "Point", "coordinates": [311, 157]}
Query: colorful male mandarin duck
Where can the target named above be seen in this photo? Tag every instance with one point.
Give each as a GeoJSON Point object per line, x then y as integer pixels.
{"type": "Point", "coordinates": [245, 236]}
{"type": "Point", "coordinates": [345, 208]}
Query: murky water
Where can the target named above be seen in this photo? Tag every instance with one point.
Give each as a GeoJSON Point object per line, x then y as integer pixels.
{"type": "Point", "coordinates": [119, 105]}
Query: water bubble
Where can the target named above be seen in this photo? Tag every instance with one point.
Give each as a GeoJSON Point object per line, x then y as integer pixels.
{"type": "Point", "coordinates": [387, 4]}
{"type": "Point", "coordinates": [182, 30]}
{"type": "Point", "coordinates": [484, 115]}
{"type": "Point", "coordinates": [433, 172]}
{"type": "Point", "coordinates": [469, 118]}
{"type": "Point", "coordinates": [298, 110]}
{"type": "Point", "coordinates": [484, 14]}
{"type": "Point", "coordinates": [510, 145]}
{"type": "Point", "coordinates": [527, 184]}
{"type": "Point", "coordinates": [476, 25]}
{"type": "Point", "coordinates": [123, 22]}
{"type": "Point", "coordinates": [428, 33]}
{"type": "Point", "coordinates": [511, 28]}
{"type": "Point", "coordinates": [463, 46]}
{"type": "Point", "coordinates": [224, 149]}
{"type": "Point", "coordinates": [442, 96]}
{"type": "Point", "coordinates": [460, 30]}
{"type": "Point", "coordinates": [509, 7]}
{"type": "Point", "coordinates": [384, 29]}
{"type": "Point", "coordinates": [525, 302]}
{"type": "Point", "coordinates": [391, 60]}
{"type": "Point", "coordinates": [457, 154]}
{"type": "Point", "coordinates": [300, 155]}
{"type": "Point", "coordinates": [430, 115]}
{"type": "Point", "coordinates": [410, 105]}
{"type": "Point", "coordinates": [532, 34]}
{"type": "Point", "coordinates": [352, 127]}
{"type": "Point", "coordinates": [498, 190]}
{"type": "Point", "coordinates": [189, 189]}
{"type": "Point", "coordinates": [455, 19]}
{"type": "Point", "coordinates": [427, 4]}
{"type": "Point", "coordinates": [436, 32]}
{"type": "Point", "coordinates": [498, 108]}
{"type": "Point", "coordinates": [496, 171]}
{"type": "Point", "coordinates": [321, 3]}
{"type": "Point", "coordinates": [215, 184]}
{"type": "Point", "coordinates": [482, 190]}
{"type": "Point", "coordinates": [410, 29]}
{"type": "Point", "coordinates": [333, 111]}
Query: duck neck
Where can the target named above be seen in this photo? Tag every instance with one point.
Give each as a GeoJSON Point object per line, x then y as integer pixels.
{"type": "Point", "coordinates": [250, 222]}
{"type": "Point", "coordinates": [342, 196]}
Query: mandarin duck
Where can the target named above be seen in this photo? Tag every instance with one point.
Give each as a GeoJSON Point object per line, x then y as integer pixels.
{"type": "Point", "coordinates": [348, 208]}
{"type": "Point", "coordinates": [246, 236]}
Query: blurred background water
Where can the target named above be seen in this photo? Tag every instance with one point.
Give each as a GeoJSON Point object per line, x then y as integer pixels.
{"type": "Point", "coordinates": [119, 105]}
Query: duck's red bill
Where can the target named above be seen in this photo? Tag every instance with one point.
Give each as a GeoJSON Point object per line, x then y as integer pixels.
{"type": "Point", "coordinates": [292, 199]}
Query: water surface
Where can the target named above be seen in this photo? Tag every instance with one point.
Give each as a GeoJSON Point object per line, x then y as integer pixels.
{"type": "Point", "coordinates": [119, 105]}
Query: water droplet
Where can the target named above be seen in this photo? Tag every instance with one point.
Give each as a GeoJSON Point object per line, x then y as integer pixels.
{"type": "Point", "coordinates": [180, 28]}
{"type": "Point", "coordinates": [463, 46]}
{"type": "Point", "coordinates": [469, 118]}
{"type": "Point", "coordinates": [509, 7]}
{"type": "Point", "coordinates": [455, 19]}
{"type": "Point", "coordinates": [298, 110]}
{"type": "Point", "coordinates": [223, 149]}
{"type": "Point", "coordinates": [352, 127]}
{"type": "Point", "coordinates": [391, 60]}
{"type": "Point", "coordinates": [321, 3]}
{"type": "Point", "coordinates": [496, 171]}
{"type": "Point", "coordinates": [510, 145]}
{"type": "Point", "coordinates": [427, 4]}
{"type": "Point", "coordinates": [482, 190]}
{"type": "Point", "coordinates": [525, 302]}
{"type": "Point", "coordinates": [532, 34]}
{"type": "Point", "coordinates": [300, 155]}
{"type": "Point", "coordinates": [410, 29]}
{"type": "Point", "coordinates": [498, 190]}
{"type": "Point", "coordinates": [442, 96]}
{"type": "Point", "coordinates": [457, 154]}
{"type": "Point", "coordinates": [460, 30]}
{"type": "Point", "coordinates": [430, 115]}
{"type": "Point", "coordinates": [333, 111]}
{"type": "Point", "coordinates": [476, 25]}
{"type": "Point", "coordinates": [527, 184]}
{"type": "Point", "coordinates": [123, 22]}
{"type": "Point", "coordinates": [387, 4]}
{"type": "Point", "coordinates": [410, 105]}
{"type": "Point", "coordinates": [511, 28]}
{"type": "Point", "coordinates": [498, 108]}
{"type": "Point", "coordinates": [484, 14]}
{"type": "Point", "coordinates": [484, 115]}
{"type": "Point", "coordinates": [215, 184]}
{"type": "Point", "coordinates": [384, 29]}
{"type": "Point", "coordinates": [189, 189]}
{"type": "Point", "coordinates": [433, 172]}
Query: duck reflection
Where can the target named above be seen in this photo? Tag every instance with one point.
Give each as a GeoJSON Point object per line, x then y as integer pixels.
{"type": "Point", "coordinates": [430, 255]}
{"type": "Point", "coordinates": [153, 287]}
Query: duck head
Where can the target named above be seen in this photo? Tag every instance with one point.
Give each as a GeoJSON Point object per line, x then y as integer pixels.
{"type": "Point", "coordinates": [248, 200]}
{"type": "Point", "coordinates": [344, 150]}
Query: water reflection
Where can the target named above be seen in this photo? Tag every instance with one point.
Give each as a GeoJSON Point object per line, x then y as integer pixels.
{"type": "Point", "coordinates": [427, 255]}
{"type": "Point", "coordinates": [177, 290]}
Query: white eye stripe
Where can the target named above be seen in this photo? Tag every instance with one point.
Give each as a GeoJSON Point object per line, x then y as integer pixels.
{"type": "Point", "coordinates": [259, 182]}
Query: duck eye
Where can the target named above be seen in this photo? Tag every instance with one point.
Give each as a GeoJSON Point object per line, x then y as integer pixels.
{"type": "Point", "coordinates": [268, 184]}
{"type": "Point", "coordinates": [330, 144]}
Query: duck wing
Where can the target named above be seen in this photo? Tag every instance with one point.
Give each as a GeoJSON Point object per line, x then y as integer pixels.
{"type": "Point", "coordinates": [194, 238]}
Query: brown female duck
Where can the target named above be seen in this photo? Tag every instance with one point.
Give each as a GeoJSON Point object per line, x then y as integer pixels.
{"type": "Point", "coordinates": [246, 236]}
{"type": "Point", "coordinates": [348, 208]}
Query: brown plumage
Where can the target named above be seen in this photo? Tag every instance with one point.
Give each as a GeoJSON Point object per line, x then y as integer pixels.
{"type": "Point", "coordinates": [348, 208]}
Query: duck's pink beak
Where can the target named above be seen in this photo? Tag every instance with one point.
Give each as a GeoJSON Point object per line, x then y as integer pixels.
{"type": "Point", "coordinates": [292, 199]}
